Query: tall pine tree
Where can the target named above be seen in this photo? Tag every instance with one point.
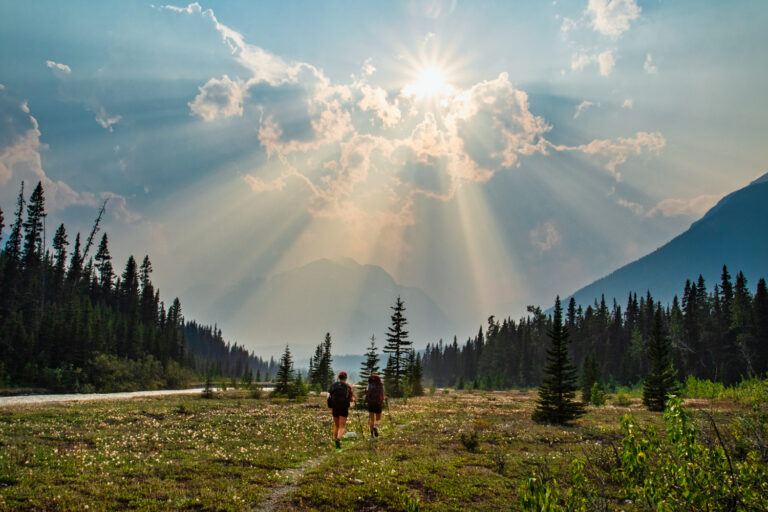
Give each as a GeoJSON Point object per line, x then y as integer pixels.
{"type": "Point", "coordinates": [397, 346]}
{"type": "Point", "coordinates": [557, 403]}
{"type": "Point", "coordinates": [660, 382]}
{"type": "Point", "coordinates": [33, 228]}
{"type": "Point", "coordinates": [284, 373]}
{"type": "Point", "coordinates": [320, 370]}
{"type": "Point", "coordinates": [370, 364]}
{"type": "Point", "coordinates": [13, 245]}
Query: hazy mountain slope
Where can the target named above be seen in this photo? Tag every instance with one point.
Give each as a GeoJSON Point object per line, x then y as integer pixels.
{"type": "Point", "coordinates": [734, 232]}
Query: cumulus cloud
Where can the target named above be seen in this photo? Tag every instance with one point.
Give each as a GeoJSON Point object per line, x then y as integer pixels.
{"type": "Point", "coordinates": [612, 17]}
{"type": "Point", "coordinates": [219, 98]}
{"type": "Point", "coordinates": [544, 237]}
{"type": "Point", "coordinates": [648, 66]}
{"type": "Point", "coordinates": [581, 107]}
{"type": "Point", "coordinates": [352, 171]}
{"type": "Point", "coordinates": [20, 160]}
{"type": "Point", "coordinates": [695, 206]}
{"type": "Point", "coordinates": [56, 66]}
{"type": "Point", "coordinates": [375, 99]}
{"type": "Point", "coordinates": [263, 65]}
{"type": "Point", "coordinates": [605, 61]}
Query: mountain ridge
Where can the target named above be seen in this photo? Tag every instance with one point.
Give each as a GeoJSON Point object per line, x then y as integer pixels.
{"type": "Point", "coordinates": [731, 233]}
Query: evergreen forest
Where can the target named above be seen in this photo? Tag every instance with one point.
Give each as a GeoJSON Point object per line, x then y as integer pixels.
{"type": "Point", "coordinates": [70, 321]}
{"type": "Point", "coordinates": [719, 335]}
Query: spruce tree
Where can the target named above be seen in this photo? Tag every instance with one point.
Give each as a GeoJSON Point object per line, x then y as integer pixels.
{"type": "Point", "coordinates": [760, 303]}
{"type": "Point", "coordinates": [397, 346]}
{"type": "Point", "coordinates": [75, 263]}
{"type": "Point", "coordinates": [320, 370]}
{"type": "Point", "coordinates": [742, 327]}
{"type": "Point", "coordinates": [13, 245]}
{"type": "Point", "coordinates": [284, 373]}
{"type": "Point", "coordinates": [314, 363]}
{"type": "Point", "coordinates": [60, 244]}
{"type": "Point", "coordinates": [389, 375]}
{"type": "Point", "coordinates": [33, 227]}
{"type": "Point", "coordinates": [325, 363]}
{"type": "Point", "coordinates": [556, 403]}
{"type": "Point", "coordinates": [104, 266]}
{"type": "Point", "coordinates": [414, 373]}
{"type": "Point", "coordinates": [660, 382]}
{"type": "Point", "coordinates": [371, 363]}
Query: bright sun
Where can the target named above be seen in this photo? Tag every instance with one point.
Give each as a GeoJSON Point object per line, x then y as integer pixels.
{"type": "Point", "coordinates": [431, 83]}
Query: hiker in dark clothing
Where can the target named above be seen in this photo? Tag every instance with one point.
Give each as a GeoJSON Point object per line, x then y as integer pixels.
{"type": "Point", "coordinates": [374, 397]}
{"type": "Point", "coordinates": [340, 395]}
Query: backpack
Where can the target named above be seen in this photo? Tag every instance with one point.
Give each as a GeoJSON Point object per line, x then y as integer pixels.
{"type": "Point", "coordinates": [375, 393]}
{"type": "Point", "coordinates": [338, 395]}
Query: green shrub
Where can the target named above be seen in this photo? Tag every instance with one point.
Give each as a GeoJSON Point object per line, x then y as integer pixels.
{"type": "Point", "coordinates": [470, 441]}
{"type": "Point", "coordinates": [622, 400]}
{"type": "Point", "coordinates": [667, 473]}
{"type": "Point", "coordinates": [597, 397]}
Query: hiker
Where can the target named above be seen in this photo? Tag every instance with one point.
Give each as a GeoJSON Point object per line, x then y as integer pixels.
{"type": "Point", "coordinates": [374, 397]}
{"type": "Point", "coordinates": [340, 395]}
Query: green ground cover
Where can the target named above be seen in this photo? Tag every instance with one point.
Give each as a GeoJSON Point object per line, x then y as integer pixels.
{"type": "Point", "coordinates": [452, 451]}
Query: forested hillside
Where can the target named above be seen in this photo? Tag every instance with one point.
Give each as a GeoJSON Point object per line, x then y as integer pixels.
{"type": "Point", "coordinates": [719, 335]}
{"type": "Point", "coordinates": [70, 322]}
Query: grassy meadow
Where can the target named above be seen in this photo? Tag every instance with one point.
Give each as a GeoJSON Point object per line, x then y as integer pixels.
{"type": "Point", "coordinates": [467, 450]}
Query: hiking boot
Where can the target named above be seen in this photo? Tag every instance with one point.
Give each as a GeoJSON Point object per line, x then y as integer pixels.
{"type": "Point", "coordinates": [375, 431]}
{"type": "Point", "coordinates": [338, 444]}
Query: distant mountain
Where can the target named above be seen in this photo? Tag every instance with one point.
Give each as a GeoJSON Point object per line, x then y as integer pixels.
{"type": "Point", "coordinates": [349, 300]}
{"type": "Point", "coordinates": [734, 232]}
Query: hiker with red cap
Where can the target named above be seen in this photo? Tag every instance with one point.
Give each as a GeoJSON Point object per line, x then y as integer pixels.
{"type": "Point", "coordinates": [340, 395]}
{"type": "Point", "coordinates": [374, 397]}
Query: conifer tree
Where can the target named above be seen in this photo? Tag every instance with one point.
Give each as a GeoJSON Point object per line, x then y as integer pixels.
{"type": "Point", "coordinates": [556, 403]}
{"type": "Point", "coordinates": [104, 266]}
{"type": "Point", "coordinates": [414, 373]}
{"type": "Point", "coordinates": [2, 224]}
{"type": "Point", "coordinates": [370, 364]}
{"type": "Point", "coordinates": [60, 244]}
{"type": "Point", "coordinates": [320, 370]}
{"type": "Point", "coordinates": [761, 327]}
{"type": "Point", "coordinates": [284, 372]}
{"type": "Point", "coordinates": [397, 346]}
{"type": "Point", "coordinates": [314, 362]}
{"type": "Point", "coordinates": [742, 327]}
{"type": "Point", "coordinates": [33, 227]}
{"type": "Point", "coordinates": [389, 375]}
{"type": "Point", "coordinates": [13, 245]}
{"type": "Point", "coordinates": [75, 263]}
{"type": "Point", "coordinates": [660, 382]}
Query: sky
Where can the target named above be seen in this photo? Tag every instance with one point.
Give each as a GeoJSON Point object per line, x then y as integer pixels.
{"type": "Point", "coordinates": [493, 154]}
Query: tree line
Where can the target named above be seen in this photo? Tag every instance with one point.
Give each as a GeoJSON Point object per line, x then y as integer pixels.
{"type": "Point", "coordinates": [719, 335]}
{"type": "Point", "coordinates": [70, 322]}
{"type": "Point", "coordinates": [403, 374]}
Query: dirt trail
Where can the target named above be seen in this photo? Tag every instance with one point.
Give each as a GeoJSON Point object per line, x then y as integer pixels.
{"type": "Point", "coordinates": [41, 399]}
{"type": "Point", "coordinates": [276, 494]}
